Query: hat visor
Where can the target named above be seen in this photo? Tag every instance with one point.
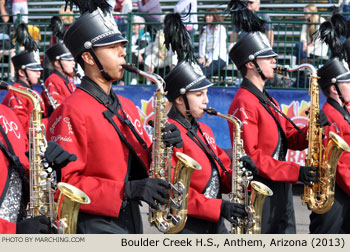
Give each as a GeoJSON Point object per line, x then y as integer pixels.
{"type": "Point", "coordinates": [113, 39]}
{"type": "Point", "coordinates": [34, 67]}
{"type": "Point", "coordinates": [267, 54]}
{"type": "Point", "coordinates": [344, 78]}
{"type": "Point", "coordinates": [67, 56]}
{"type": "Point", "coordinates": [203, 84]}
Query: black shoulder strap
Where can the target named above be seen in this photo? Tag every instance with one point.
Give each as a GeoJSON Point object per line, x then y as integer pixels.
{"type": "Point", "coordinates": [109, 116]}
{"type": "Point", "coordinates": [206, 149]}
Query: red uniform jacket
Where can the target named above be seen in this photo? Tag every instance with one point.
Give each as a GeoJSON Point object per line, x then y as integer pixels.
{"type": "Point", "coordinates": [198, 205]}
{"type": "Point", "coordinates": [341, 127]}
{"type": "Point", "coordinates": [260, 136]}
{"type": "Point", "coordinates": [80, 127]}
{"type": "Point", "coordinates": [57, 88]}
{"type": "Point", "coordinates": [22, 106]}
{"type": "Point", "coordinates": [18, 140]}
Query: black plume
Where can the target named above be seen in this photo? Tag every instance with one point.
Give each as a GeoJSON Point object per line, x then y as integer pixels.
{"type": "Point", "coordinates": [244, 18]}
{"type": "Point", "coordinates": [178, 38]}
{"type": "Point", "coordinates": [23, 37]}
{"type": "Point", "coordinates": [57, 27]}
{"type": "Point", "coordinates": [89, 5]}
{"type": "Point", "coordinates": [331, 31]}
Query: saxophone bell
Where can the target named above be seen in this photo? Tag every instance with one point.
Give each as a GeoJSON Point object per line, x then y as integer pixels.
{"type": "Point", "coordinates": [241, 178]}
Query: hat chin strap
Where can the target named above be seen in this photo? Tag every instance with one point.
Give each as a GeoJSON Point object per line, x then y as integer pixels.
{"type": "Point", "coordinates": [99, 65]}
{"type": "Point", "coordinates": [339, 93]}
{"type": "Point", "coordinates": [259, 69]}
{"type": "Point", "coordinates": [64, 71]}
{"type": "Point", "coordinates": [27, 77]}
{"type": "Point", "coordinates": [187, 105]}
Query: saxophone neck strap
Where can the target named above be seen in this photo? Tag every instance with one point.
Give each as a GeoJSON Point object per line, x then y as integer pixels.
{"type": "Point", "coordinates": [113, 105]}
{"type": "Point", "coordinates": [206, 148]}
{"type": "Point", "coordinates": [265, 98]}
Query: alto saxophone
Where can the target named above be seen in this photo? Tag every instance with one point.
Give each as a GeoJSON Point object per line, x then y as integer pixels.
{"type": "Point", "coordinates": [51, 100]}
{"type": "Point", "coordinates": [320, 197]}
{"type": "Point", "coordinates": [171, 218]}
{"type": "Point", "coordinates": [42, 179]}
{"type": "Point", "coordinates": [241, 178]}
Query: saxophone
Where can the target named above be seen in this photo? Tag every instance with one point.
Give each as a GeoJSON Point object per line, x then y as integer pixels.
{"type": "Point", "coordinates": [320, 197]}
{"type": "Point", "coordinates": [241, 178]}
{"type": "Point", "coordinates": [51, 100]}
{"type": "Point", "coordinates": [171, 218]}
{"type": "Point", "coordinates": [42, 179]}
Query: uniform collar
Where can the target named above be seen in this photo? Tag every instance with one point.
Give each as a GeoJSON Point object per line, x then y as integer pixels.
{"type": "Point", "coordinates": [177, 116]}
{"type": "Point", "coordinates": [22, 83]}
{"type": "Point", "coordinates": [344, 112]}
{"type": "Point", "coordinates": [97, 92]}
{"type": "Point", "coordinates": [262, 96]}
{"type": "Point", "coordinates": [65, 78]}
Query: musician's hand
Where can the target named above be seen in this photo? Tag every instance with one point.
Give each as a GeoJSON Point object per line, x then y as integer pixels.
{"type": "Point", "coordinates": [230, 211]}
{"type": "Point", "coordinates": [149, 190]}
{"type": "Point", "coordinates": [323, 120]}
{"type": "Point", "coordinates": [57, 157]}
{"type": "Point", "coordinates": [249, 164]}
{"type": "Point", "coordinates": [36, 225]}
{"type": "Point", "coordinates": [308, 174]}
{"type": "Point", "coordinates": [172, 136]}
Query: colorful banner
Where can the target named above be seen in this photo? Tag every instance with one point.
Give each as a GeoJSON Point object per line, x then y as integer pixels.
{"type": "Point", "coordinates": [293, 103]}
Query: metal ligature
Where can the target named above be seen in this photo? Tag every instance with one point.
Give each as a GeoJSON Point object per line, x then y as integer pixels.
{"type": "Point", "coordinates": [319, 197]}
{"type": "Point", "coordinates": [42, 179]}
{"type": "Point", "coordinates": [51, 100]}
{"type": "Point", "coordinates": [171, 218]}
{"type": "Point", "coordinates": [241, 178]}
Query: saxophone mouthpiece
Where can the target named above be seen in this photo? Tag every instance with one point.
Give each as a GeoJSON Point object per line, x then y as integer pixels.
{"type": "Point", "coordinates": [131, 68]}
{"type": "Point", "coordinates": [211, 111]}
{"type": "Point", "coordinates": [280, 69]}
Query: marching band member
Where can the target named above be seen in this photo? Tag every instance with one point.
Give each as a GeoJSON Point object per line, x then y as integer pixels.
{"type": "Point", "coordinates": [27, 74]}
{"type": "Point", "coordinates": [60, 83]}
{"type": "Point", "coordinates": [14, 167]}
{"type": "Point", "coordinates": [187, 88]}
{"type": "Point", "coordinates": [268, 133]}
{"type": "Point", "coordinates": [335, 85]}
{"type": "Point", "coordinates": [334, 80]}
{"type": "Point", "coordinates": [105, 131]}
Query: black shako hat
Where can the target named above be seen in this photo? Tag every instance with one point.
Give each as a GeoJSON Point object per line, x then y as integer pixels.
{"type": "Point", "coordinates": [186, 76]}
{"type": "Point", "coordinates": [26, 60]}
{"type": "Point", "coordinates": [58, 51]}
{"type": "Point", "coordinates": [251, 46]}
{"type": "Point", "coordinates": [92, 30]}
{"type": "Point", "coordinates": [332, 72]}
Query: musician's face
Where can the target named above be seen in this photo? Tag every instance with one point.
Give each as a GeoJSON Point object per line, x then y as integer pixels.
{"type": "Point", "coordinates": [68, 66]}
{"type": "Point", "coordinates": [112, 57]}
{"type": "Point", "coordinates": [344, 88]}
{"type": "Point", "coordinates": [33, 76]}
{"type": "Point", "coordinates": [197, 100]}
{"type": "Point", "coordinates": [267, 66]}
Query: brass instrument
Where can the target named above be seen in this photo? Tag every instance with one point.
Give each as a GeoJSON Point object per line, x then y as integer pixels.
{"type": "Point", "coordinates": [171, 218]}
{"type": "Point", "coordinates": [241, 178]}
{"type": "Point", "coordinates": [51, 100]}
{"type": "Point", "coordinates": [320, 197]}
{"type": "Point", "coordinates": [42, 178]}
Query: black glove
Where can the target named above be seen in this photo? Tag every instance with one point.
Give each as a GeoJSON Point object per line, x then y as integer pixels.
{"type": "Point", "coordinates": [58, 157]}
{"type": "Point", "coordinates": [148, 190]}
{"type": "Point", "coordinates": [36, 225]}
{"type": "Point", "coordinates": [249, 164]}
{"type": "Point", "coordinates": [172, 136]}
{"type": "Point", "coordinates": [323, 120]}
{"type": "Point", "coordinates": [308, 174]}
{"type": "Point", "coordinates": [231, 211]}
